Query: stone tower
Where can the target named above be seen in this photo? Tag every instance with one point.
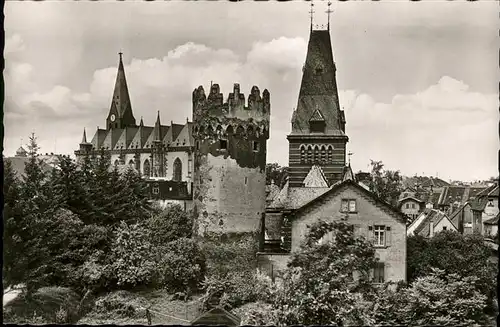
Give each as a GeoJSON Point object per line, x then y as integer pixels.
{"type": "Point", "coordinates": [120, 113]}
{"type": "Point", "coordinates": [229, 161]}
{"type": "Point", "coordinates": [318, 125]}
{"type": "Point", "coordinates": [85, 148]}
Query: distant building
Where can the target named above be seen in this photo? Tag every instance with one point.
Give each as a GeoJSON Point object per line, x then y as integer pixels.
{"type": "Point", "coordinates": [411, 206]}
{"type": "Point", "coordinates": [20, 160]}
{"type": "Point", "coordinates": [452, 197]}
{"type": "Point", "coordinates": [485, 208]}
{"type": "Point", "coordinates": [162, 154]}
{"type": "Point", "coordinates": [490, 227]}
{"type": "Point", "coordinates": [429, 223]}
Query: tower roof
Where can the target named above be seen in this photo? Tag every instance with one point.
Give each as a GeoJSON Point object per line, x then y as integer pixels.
{"type": "Point", "coordinates": [121, 98]}
{"type": "Point", "coordinates": [84, 138]}
{"type": "Point", "coordinates": [318, 89]}
{"type": "Point", "coordinates": [157, 129]}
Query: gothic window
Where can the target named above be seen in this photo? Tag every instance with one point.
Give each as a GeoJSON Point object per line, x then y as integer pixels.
{"type": "Point", "coordinates": [131, 163]}
{"type": "Point", "coordinates": [255, 145]}
{"type": "Point", "coordinates": [309, 154]}
{"type": "Point", "coordinates": [177, 170]}
{"type": "Point", "coordinates": [302, 154]}
{"type": "Point", "coordinates": [147, 168]}
{"type": "Point", "coordinates": [117, 162]}
{"type": "Point", "coordinates": [330, 154]}
{"type": "Point", "coordinates": [316, 154]}
{"type": "Point", "coordinates": [323, 154]}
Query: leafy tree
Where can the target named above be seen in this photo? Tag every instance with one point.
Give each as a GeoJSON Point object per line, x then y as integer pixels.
{"type": "Point", "coordinates": [385, 184]}
{"type": "Point", "coordinates": [276, 173]}
{"type": "Point", "coordinates": [436, 299]}
{"type": "Point", "coordinates": [319, 286]}
{"type": "Point", "coordinates": [454, 253]}
{"type": "Point", "coordinates": [182, 265]}
{"type": "Point", "coordinates": [167, 225]}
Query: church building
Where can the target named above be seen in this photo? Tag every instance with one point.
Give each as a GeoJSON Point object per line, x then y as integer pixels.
{"type": "Point", "coordinates": [320, 185]}
{"type": "Point", "coordinates": [163, 154]}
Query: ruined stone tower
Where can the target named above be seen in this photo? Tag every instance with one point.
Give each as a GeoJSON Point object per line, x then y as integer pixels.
{"type": "Point", "coordinates": [229, 162]}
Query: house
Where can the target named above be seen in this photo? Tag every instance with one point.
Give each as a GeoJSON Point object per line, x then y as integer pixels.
{"type": "Point", "coordinates": [485, 207]}
{"type": "Point", "coordinates": [452, 197]}
{"type": "Point", "coordinates": [372, 218]}
{"type": "Point", "coordinates": [20, 160]}
{"type": "Point", "coordinates": [430, 222]}
{"type": "Point", "coordinates": [464, 220]}
{"type": "Point", "coordinates": [491, 227]}
{"type": "Point", "coordinates": [411, 206]}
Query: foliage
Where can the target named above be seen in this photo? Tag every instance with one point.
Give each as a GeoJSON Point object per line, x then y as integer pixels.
{"type": "Point", "coordinates": [436, 299]}
{"type": "Point", "coordinates": [319, 286]}
{"type": "Point", "coordinates": [46, 305]}
{"type": "Point", "coordinates": [277, 174]}
{"type": "Point", "coordinates": [132, 258]}
{"type": "Point", "coordinates": [181, 265]}
{"type": "Point", "coordinates": [385, 184]}
{"type": "Point", "coordinates": [454, 253]}
{"type": "Point", "coordinates": [167, 225]}
{"type": "Point", "coordinates": [258, 314]}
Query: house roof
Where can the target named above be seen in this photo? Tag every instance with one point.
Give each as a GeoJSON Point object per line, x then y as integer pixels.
{"type": "Point", "coordinates": [410, 198]}
{"type": "Point", "coordinates": [454, 216]}
{"type": "Point", "coordinates": [19, 163]}
{"type": "Point", "coordinates": [431, 215]}
{"type": "Point", "coordinates": [338, 186]}
{"type": "Point", "coordinates": [217, 316]}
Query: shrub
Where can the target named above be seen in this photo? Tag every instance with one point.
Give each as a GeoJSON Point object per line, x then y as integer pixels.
{"type": "Point", "coordinates": [120, 304]}
{"type": "Point", "coordinates": [181, 266]}
{"type": "Point", "coordinates": [170, 224]}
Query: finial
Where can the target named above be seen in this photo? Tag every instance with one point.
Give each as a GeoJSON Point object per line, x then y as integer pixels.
{"type": "Point", "coordinates": [120, 54]}
{"type": "Point", "coordinates": [349, 155]}
{"type": "Point", "coordinates": [312, 12]}
{"type": "Point", "coordinates": [211, 83]}
{"type": "Point", "coordinates": [329, 11]}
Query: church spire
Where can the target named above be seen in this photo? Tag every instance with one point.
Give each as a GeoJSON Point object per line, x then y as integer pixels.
{"type": "Point", "coordinates": [157, 128]}
{"type": "Point", "coordinates": [329, 11]}
{"type": "Point", "coordinates": [84, 138]}
{"type": "Point", "coordinates": [120, 112]}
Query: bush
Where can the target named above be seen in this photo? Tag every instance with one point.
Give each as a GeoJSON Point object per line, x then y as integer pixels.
{"type": "Point", "coordinates": [120, 304]}
{"type": "Point", "coordinates": [170, 224]}
{"type": "Point", "coordinates": [46, 305]}
{"type": "Point", "coordinates": [181, 266]}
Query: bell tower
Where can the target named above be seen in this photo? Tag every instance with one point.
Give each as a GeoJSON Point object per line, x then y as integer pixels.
{"type": "Point", "coordinates": [318, 124]}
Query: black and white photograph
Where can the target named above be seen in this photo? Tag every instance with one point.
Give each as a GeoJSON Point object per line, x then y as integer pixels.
{"type": "Point", "coordinates": [251, 163]}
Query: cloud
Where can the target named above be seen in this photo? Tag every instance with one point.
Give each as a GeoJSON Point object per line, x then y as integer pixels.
{"type": "Point", "coordinates": [444, 127]}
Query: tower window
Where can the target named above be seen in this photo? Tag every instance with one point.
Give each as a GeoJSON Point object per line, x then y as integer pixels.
{"type": "Point", "coordinates": [197, 145]}
{"type": "Point", "coordinates": [317, 126]}
{"type": "Point", "coordinates": [255, 145]}
{"type": "Point", "coordinates": [319, 71]}
{"type": "Point", "coordinates": [223, 144]}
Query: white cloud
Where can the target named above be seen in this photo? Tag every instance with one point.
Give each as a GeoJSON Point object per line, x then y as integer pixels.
{"type": "Point", "coordinates": [13, 44]}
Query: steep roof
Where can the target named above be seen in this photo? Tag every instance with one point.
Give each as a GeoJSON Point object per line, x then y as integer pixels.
{"type": "Point", "coordinates": [184, 136]}
{"type": "Point", "coordinates": [315, 178]}
{"type": "Point", "coordinates": [126, 138]}
{"type": "Point", "coordinates": [121, 98]}
{"type": "Point", "coordinates": [19, 163]}
{"type": "Point", "coordinates": [403, 200]}
{"type": "Point", "coordinates": [98, 139]}
{"type": "Point", "coordinates": [423, 225]}
{"type": "Point", "coordinates": [318, 96]}
{"type": "Point", "coordinates": [349, 183]}
{"type": "Point", "coordinates": [111, 138]}
{"type": "Point", "coordinates": [141, 136]}
{"type": "Point", "coordinates": [492, 221]}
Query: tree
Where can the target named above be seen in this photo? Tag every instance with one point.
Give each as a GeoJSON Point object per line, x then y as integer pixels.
{"type": "Point", "coordinates": [454, 253]}
{"type": "Point", "coordinates": [385, 184]}
{"type": "Point", "coordinates": [167, 225]}
{"type": "Point", "coordinates": [277, 174]}
{"type": "Point", "coordinates": [319, 286]}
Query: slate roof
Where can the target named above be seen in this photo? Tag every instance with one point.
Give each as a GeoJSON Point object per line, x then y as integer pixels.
{"type": "Point", "coordinates": [431, 215]}
{"type": "Point", "coordinates": [315, 178]}
{"type": "Point", "coordinates": [290, 198]}
{"type": "Point", "coordinates": [19, 163]}
{"type": "Point", "coordinates": [338, 186]}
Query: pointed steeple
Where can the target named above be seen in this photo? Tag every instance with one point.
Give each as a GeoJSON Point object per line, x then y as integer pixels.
{"type": "Point", "coordinates": [120, 112]}
{"type": "Point", "coordinates": [141, 123]}
{"type": "Point", "coordinates": [157, 129]}
{"type": "Point", "coordinates": [84, 138]}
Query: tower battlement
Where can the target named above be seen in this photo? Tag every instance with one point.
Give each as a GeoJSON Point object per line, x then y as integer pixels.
{"type": "Point", "coordinates": [257, 107]}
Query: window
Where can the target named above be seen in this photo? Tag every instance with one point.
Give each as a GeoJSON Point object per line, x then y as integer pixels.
{"type": "Point", "coordinates": [379, 233]}
{"type": "Point", "coordinates": [255, 145]}
{"type": "Point", "coordinates": [197, 145]}
{"type": "Point", "coordinates": [302, 154]}
{"type": "Point", "coordinates": [407, 206]}
{"type": "Point", "coordinates": [348, 205]}
{"type": "Point", "coordinates": [490, 203]}
{"type": "Point", "coordinates": [177, 170]}
{"type": "Point", "coordinates": [246, 180]}
{"type": "Point", "coordinates": [156, 189]}
{"type": "Point", "coordinates": [444, 228]}
{"type": "Point", "coordinates": [413, 205]}
{"type": "Point", "coordinates": [317, 126]}
{"type": "Point", "coordinates": [223, 144]}
{"type": "Point", "coordinates": [379, 273]}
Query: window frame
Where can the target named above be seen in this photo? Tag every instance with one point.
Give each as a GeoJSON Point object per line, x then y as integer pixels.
{"type": "Point", "coordinates": [381, 230]}
{"type": "Point", "coordinates": [255, 146]}
{"type": "Point", "coordinates": [345, 206]}
{"type": "Point", "coordinates": [226, 144]}
{"type": "Point", "coordinates": [379, 273]}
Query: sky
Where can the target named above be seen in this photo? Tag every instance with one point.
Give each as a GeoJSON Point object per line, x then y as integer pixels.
{"type": "Point", "coordinates": [418, 80]}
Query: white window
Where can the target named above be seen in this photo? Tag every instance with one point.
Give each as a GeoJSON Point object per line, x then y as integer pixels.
{"type": "Point", "coordinates": [348, 205]}
{"type": "Point", "coordinates": [156, 190]}
{"type": "Point", "coordinates": [379, 234]}
{"type": "Point", "coordinates": [379, 272]}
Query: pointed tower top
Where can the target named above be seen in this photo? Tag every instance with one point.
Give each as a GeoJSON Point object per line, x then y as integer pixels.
{"type": "Point", "coordinates": [120, 112]}
{"type": "Point", "coordinates": [141, 123]}
{"type": "Point", "coordinates": [329, 11]}
{"type": "Point", "coordinates": [84, 138]}
{"type": "Point", "coordinates": [157, 129]}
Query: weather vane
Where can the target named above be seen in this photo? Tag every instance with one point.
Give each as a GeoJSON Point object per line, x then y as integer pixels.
{"type": "Point", "coordinates": [350, 154]}
{"type": "Point", "coordinates": [329, 11]}
{"type": "Point", "coordinates": [312, 12]}
{"type": "Point", "coordinates": [120, 53]}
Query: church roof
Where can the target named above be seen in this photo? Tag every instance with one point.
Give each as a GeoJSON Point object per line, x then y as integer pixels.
{"type": "Point", "coordinates": [111, 138]}
{"type": "Point", "coordinates": [318, 96]}
{"type": "Point", "coordinates": [126, 138]}
{"type": "Point", "coordinates": [21, 152]}
{"type": "Point", "coordinates": [141, 136]}
{"type": "Point", "coordinates": [98, 139]}
{"type": "Point", "coordinates": [315, 178]}
{"type": "Point", "coordinates": [184, 137]}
